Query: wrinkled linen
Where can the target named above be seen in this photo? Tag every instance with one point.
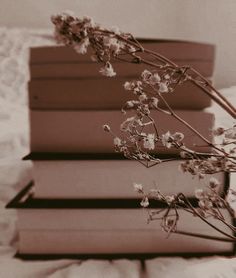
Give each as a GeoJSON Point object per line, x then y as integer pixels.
{"type": "Point", "coordinates": [14, 174]}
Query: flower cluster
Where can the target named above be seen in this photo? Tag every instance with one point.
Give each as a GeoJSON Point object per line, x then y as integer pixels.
{"type": "Point", "coordinates": [82, 33]}
{"type": "Point", "coordinates": [142, 137]}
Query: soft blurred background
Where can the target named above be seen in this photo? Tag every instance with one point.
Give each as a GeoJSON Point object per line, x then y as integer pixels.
{"type": "Point", "coordinates": [211, 21]}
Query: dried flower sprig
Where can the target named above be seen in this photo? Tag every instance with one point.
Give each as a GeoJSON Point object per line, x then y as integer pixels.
{"type": "Point", "coordinates": [142, 135]}
{"type": "Point", "coordinates": [210, 205]}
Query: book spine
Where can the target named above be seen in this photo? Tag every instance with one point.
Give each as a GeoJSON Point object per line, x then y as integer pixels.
{"type": "Point", "coordinates": [103, 94]}
{"type": "Point", "coordinates": [82, 132]}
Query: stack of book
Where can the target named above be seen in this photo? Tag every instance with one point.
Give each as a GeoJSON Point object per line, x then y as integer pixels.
{"type": "Point", "coordinates": [82, 200]}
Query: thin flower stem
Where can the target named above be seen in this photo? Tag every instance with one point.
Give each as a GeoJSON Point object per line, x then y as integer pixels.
{"type": "Point", "coordinates": [221, 100]}
{"type": "Point", "coordinates": [166, 75]}
{"type": "Point", "coordinates": [204, 236]}
{"type": "Point", "coordinates": [213, 88]}
{"type": "Point", "coordinates": [216, 99]}
{"type": "Point", "coordinates": [195, 212]}
{"type": "Point", "coordinates": [188, 125]}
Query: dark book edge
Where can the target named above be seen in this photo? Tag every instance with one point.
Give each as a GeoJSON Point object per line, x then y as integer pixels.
{"type": "Point", "coordinates": [131, 256]}
{"type": "Point", "coordinates": [25, 200]}
{"type": "Point", "coordinates": [88, 156]}
{"type": "Point", "coordinates": [73, 156]}
{"type": "Point", "coordinates": [17, 200]}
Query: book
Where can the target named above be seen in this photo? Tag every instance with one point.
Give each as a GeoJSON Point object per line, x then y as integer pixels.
{"type": "Point", "coordinates": [95, 229]}
{"type": "Point", "coordinates": [82, 132]}
{"type": "Point", "coordinates": [91, 69]}
{"type": "Point", "coordinates": [103, 93]}
{"type": "Point", "coordinates": [172, 49]}
{"type": "Point", "coordinates": [125, 242]}
{"type": "Point", "coordinates": [111, 178]}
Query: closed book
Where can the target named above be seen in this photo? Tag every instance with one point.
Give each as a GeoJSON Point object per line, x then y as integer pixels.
{"type": "Point", "coordinates": [82, 132]}
{"type": "Point", "coordinates": [127, 241]}
{"type": "Point", "coordinates": [103, 93]}
{"type": "Point", "coordinates": [113, 178]}
{"type": "Point", "coordinates": [174, 50]}
{"type": "Point", "coordinates": [46, 228]}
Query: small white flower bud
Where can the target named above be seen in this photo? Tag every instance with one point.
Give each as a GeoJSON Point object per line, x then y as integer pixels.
{"type": "Point", "coordinates": [213, 183]}
{"type": "Point", "coordinates": [219, 131]}
{"type": "Point", "coordinates": [178, 136]}
{"type": "Point", "coordinates": [106, 128]}
{"type": "Point", "coordinates": [154, 101]}
{"type": "Point", "coordinates": [144, 203]}
{"type": "Point", "coordinates": [199, 193]}
{"type": "Point", "coordinates": [163, 88]}
{"type": "Point", "coordinates": [138, 187]}
{"type": "Point", "coordinates": [117, 141]}
{"type": "Point", "coordinates": [128, 86]}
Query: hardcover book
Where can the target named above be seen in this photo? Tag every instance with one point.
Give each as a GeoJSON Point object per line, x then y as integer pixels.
{"type": "Point", "coordinates": [174, 50]}
{"type": "Point", "coordinates": [102, 93]}
{"type": "Point", "coordinates": [82, 132]}
{"type": "Point", "coordinates": [58, 177]}
{"type": "Point", "coordinates": [108, 228]}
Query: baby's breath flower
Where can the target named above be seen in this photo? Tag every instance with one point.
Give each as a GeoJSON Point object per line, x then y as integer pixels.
{"type": "Point", "coordinates": [155, 78]}
{"type": "Point", "coordinates": [125, 125]}
{"type": "Point", "coordinates": [94, 58]}
{"type": "Point", "coordinates": [219, 131]}
{"type": "Point", "coordinates": [144, 110]}
{"type": "Point", "coordinates": [138, 187]}
{"type": "Point", "coordinates": [183, 154]}
{"type": "Point", "coordinates": [81, 47]}
{"type": "Point", "coordinates": [154, 101]}
{"type": "Point", "coordinates": [205, 204]}
{"type": "Point", "coordinates": [156, 193]}
{"type": "Point", "coordinates": [163, 88]}
{"type": "Point", "coordinates": [69, 13]}
{"type": "Point", "coordinates": [131, 48]}
{"type": "Point", "coordinates": [170, 199]}
{"type": "Point", "coordinates": [149, 141]}
{"type": "Point", "coordinates": [199, 193]}
{"type": "Point", "coordinates": [130, 104]}
{"type": "Point", "coordinates": [113, 44]}
{"type": "Point", "coordinates": [230, 133]}
{"type": "Point", "coordinates": [142, 97]}
{"type": "Point", "coordinates": [213, 183]}
{"type": "Point", "coordinates": [178, 136]}
{"type": "Point", "coordinates": [150, 78]}
{"type": "Point", "coordinates": [88, 21]}
{"type": "Point", "coordinates": [128, 86]}
{"type": "Point", "coordinates": [106, 128]}
{"type": "Point", "coordinates": [117, 141]}
{"type": "Point", "coordinates": [165, 139]}
{"type": "Point", "coordinates": [107, 70]}
{"type": "Point", "coordinates": [146, 75]}
{"type": "Point", "coordinates": [201, 176]}
{"type": "Point", "coordinates": [167, 76]}
{"type": "Point", "coordinates": [116, 30]}
{"type": "Point", "coordinates": [145, 202]}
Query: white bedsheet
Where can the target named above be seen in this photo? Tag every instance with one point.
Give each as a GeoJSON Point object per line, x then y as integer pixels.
{"type": "Point", "coordinates": [14, 173]}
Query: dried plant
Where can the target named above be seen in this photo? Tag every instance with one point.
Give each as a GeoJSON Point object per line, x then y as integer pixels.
{"type": "Point", "coordinates": [138, 142]}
